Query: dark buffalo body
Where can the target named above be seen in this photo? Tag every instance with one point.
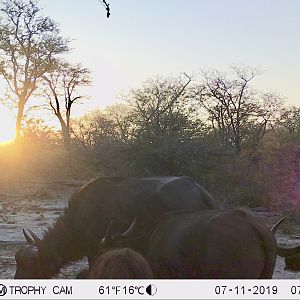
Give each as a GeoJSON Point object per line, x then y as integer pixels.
{"type": "Point", "coordinates": [123, 199]}
{"type": "Point", "coordinates": [123, 263]}
{"type": "Point", "coordinates": [77, 233]}
{"type": "Point", "coordinates": [210, 244]}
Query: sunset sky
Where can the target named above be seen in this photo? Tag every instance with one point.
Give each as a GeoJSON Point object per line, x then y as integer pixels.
{"type": "Point", "coordinates": [143, 38]}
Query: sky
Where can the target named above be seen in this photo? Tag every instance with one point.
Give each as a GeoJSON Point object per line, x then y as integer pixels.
{"type": "Point", "coordinates": [144, 38]}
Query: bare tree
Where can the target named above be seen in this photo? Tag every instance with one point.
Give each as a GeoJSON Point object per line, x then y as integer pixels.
{"type": "Point", "coordinates": [61, 88]}
{"type": "Point", "coordinates": [28, 42]}
{"type": "Point", "coordinates": [162, 108]}
{"type": "Point", "coordinates": [237, 113]}
{"type": "Point", "coordinates": [122, 116]}
{"type": "Point", "coordinates": [95, 130]}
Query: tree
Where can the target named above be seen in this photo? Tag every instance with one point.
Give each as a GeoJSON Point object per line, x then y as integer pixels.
{"type": "Point", "coordinates": [288, 125]}
{"type": "Point", "coordinates": [162, 107]}
{"type": "Point", "coordinates": [238, 114]}
{"type": "Point", "coordinates": [122, 116]}
{"type": "Point", "coordinates": [165, 126]}
{"type": "Point", "coordinates": [61, 88]}
{"type": "Point", "coordinates": [28, 42]}
{"type": "Point", "coordinates": [36, 132]}
{"type": "Point", "coordinates": [95, 129]}
{"type": "Point", "coordinates": [100, 140]}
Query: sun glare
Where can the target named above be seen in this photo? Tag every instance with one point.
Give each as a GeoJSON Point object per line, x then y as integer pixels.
{"type": "Point", "coordinates": [7, 126]}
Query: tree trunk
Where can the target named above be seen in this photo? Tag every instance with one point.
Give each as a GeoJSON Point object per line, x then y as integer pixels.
{"type": "Point", "coordinates": [21, 106]}
{"type": "Point", "coordinates": [65, 132]}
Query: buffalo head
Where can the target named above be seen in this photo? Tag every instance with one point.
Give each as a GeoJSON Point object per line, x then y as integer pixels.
{"type": "Point", "coordinates": [121, 263]}
{"type": "Point", "coordinates": [291, 255]}
{"type": "Point", "coordinates": [27, 258]}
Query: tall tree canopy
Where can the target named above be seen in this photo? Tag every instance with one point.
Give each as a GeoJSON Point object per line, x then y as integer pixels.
{"type": "Point", "coordinates": [238, 114]}
{"type": "Point", "coordinates": [28, 42]}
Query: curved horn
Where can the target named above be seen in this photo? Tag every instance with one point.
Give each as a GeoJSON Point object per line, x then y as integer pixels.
{"type": "Point", "coordinates": [29, 240]}
{"type": "Point", "coordinates": [109, 230]}
{"type": "Point", "coordinates": [108, 234]}
{"type": "Point", "coordinates": [284, 252]}
{"type": "Point", "coordinates": [275, 226]}
{"type": "Point", "coordinates": [129, 230]}
{"type": "Point", "coordinates": [35, 237]}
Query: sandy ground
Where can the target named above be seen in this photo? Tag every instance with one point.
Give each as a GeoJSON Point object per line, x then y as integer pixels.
{"type": "Point", "coordinates": [36, 205]}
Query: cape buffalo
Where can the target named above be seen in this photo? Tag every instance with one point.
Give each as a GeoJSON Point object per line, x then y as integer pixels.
{"type": "Point", "coordinates": [123, 263]}
{"type": "Point", "coordinates": [77, 232]}
{"type": "Point", "coordinates": [216, 244]}
{"type": "Point", "coordinates": [292, 257]}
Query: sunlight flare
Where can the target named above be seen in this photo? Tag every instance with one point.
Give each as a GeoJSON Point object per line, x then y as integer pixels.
{"type": "Point", "coordinates": [7, 126]}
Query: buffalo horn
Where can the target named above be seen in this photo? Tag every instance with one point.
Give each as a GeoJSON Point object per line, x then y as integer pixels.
{"type": "Point", "coordinates": [29, 240]}
{"type": "Point", "coordinates": [35, 237]}
{"type": "Point", "coordinates": [108, 235]}
{"type": "Point", "coordinates": [275, 226]}
{"type": "Point", "coordinates": [129, 230]}
{"type": "Point", "coordinates": [109, 230]}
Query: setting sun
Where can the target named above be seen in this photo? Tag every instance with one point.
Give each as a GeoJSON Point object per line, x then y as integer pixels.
{"type": "Point", "coordinates": [7, 125]}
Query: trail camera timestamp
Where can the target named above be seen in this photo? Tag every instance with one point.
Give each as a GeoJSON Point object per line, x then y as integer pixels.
{"type": "Point", "coordinates": [246, 290]}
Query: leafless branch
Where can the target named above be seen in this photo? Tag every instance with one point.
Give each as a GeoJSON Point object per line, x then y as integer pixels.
{"type": "Point", "coordinates": [106, 5]}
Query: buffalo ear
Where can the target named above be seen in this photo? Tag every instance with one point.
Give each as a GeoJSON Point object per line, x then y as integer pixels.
{"type": "Point", "coordinates": [29, 240]}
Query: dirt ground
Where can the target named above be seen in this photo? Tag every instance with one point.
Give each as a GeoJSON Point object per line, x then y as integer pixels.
{"type": "Point", "coordinates": [36, 205]}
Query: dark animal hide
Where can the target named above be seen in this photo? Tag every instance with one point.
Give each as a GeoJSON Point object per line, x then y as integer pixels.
{"type": "Point", "coordinates": [77, 233]}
